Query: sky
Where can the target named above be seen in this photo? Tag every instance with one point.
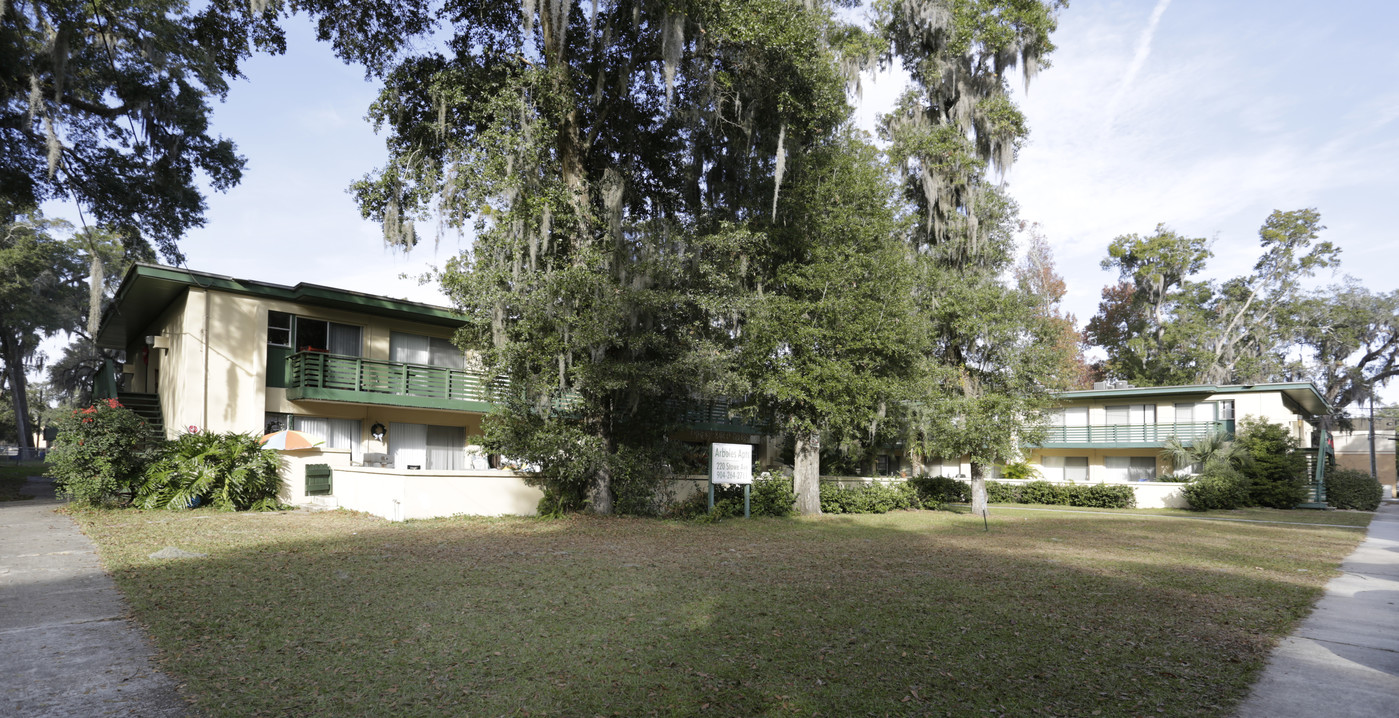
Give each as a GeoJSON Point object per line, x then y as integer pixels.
{"type": "Point", "coordinates": [1200, 114]}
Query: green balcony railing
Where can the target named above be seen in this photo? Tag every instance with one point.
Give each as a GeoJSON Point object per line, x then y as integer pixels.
{"type": "Point", "coordinates": [1129, 435]}
{"type": "Point", "coordinates": [709, 415]}
{"type": "Point", "coordinates": [330, 377]}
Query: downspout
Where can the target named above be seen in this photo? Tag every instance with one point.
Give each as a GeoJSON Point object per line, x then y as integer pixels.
{"type": "Point", "coordinates": [204, 346]}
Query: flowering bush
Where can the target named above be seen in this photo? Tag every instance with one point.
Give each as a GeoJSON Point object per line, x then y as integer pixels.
{"type": "Point", "coordinates": [100, 453]}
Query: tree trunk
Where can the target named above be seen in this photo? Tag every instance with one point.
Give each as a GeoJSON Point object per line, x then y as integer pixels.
{"type": "Point", "coordinates": [19, 389]}
{"type": "Point", "coordinates": [602, 492]}
{"type": "Point", "coordinates": [601, 498]}
{"type": "Point", "coordinates": [806, 474]}
{"type": "Point", "coordinates": [978, 490]}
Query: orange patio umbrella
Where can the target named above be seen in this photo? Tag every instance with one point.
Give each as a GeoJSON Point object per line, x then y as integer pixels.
{"type": "Point", "coordinates": [288, 440]}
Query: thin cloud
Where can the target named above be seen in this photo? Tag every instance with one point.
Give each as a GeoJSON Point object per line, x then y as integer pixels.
{"type": "Point", "coordinates": [1138, 60]}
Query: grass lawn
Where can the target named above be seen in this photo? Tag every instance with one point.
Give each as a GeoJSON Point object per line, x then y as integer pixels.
{"type": "Point", "coordinates": [910, 613]}
{"type": "Point", "coordinates": [13, 476]}
{"type": "Point", "coordinates": [1358, 519]}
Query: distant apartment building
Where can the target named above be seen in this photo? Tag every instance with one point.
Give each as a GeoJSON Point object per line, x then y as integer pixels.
{"type": "Point", "coordinates": [1353, 449]}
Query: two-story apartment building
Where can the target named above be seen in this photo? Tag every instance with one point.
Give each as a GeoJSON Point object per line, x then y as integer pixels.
{"type": "Point", "coordinates": [1115, 432]}
{"type": "Point", "coordinates": [399, 407]}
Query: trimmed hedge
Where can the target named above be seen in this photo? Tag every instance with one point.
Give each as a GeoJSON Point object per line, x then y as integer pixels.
{"type": "Point", "coordinates": [1351, 489]}
{"type": "Point", "coordinates": [1103, 496]}
{"type": "Point", "coordinates": [874, 498]}
{"type": "Point", "coordinates": [1220, 487]}
{"type": "Point", "coordinates": [938, 490]}
{"type": "Point", "coordinates": [1043, 492]}
{"type": "Point", "coordinates": [998, 493]}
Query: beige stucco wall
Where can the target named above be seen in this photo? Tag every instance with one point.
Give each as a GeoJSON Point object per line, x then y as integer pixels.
{"type": "Point", "coordinates": [1270, 406]}
{"type": "Point", "coordinates": [211, 335]}
{"type": "Point", "coordinates": [294, 470]}
{"type": "Point", "coordinates": [397, 496]}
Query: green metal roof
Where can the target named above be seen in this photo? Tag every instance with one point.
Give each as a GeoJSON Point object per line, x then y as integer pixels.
{"type": "Point", "coordinates": [147, 289]}
{"type": "Point", "coordinates": [1304, 393]}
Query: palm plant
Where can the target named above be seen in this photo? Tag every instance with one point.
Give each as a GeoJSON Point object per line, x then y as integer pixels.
{"type": "Point", "coordinates": [1213, 449]}
{"type": "Point", "coordinates": [230, 471]}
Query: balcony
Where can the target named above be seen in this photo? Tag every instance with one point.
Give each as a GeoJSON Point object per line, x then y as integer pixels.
{"type": "Point", "coordinates": [319, 376]}
{"type": "Point", "coordinates": [1129, 436]}
{"type": "Point", "coordinates": [329, 377]}
{"type": "Point", "coordinates": [710, 415]}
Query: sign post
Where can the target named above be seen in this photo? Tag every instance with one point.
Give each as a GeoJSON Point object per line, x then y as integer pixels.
{"type": "Point", "coordinates": [731, 464]}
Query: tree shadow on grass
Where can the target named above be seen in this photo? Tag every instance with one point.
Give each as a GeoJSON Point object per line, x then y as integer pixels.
{"type": "Point", "coordinates": [913, 613]}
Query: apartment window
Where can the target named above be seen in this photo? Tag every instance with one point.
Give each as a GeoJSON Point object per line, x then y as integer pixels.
{"type": "Point", "coordinates": [1187, 413]}
{"type": "Point", "coordinates": [1065, 468]}
{"type": "Point", "coordinates": [434, 448]}
{"type": "Point", "coordinates": [332, 337]}
{"type": "Point", "coordinates": [337, 433]}
{"type": "Point", "coordinates": [943, 467]}
{"type": "Point", "coordinates": [1135, 414]}
{"type": "Point", "coordinates": [276, 422]}
{"type": "Point", "coordinates": [279, 329]}
{"type": "Point", "coordinates": [1070, 416]}
{"type": "Point", "coordinates": [431, 351]}
{"type": "Point", "coordinates": [1130, 468]}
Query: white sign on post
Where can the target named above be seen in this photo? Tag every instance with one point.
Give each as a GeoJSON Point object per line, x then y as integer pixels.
{"type": "Point", "coordinates": [731, 463]}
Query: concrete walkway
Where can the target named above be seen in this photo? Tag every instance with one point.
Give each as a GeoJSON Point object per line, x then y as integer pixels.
{"type": "Point", "coordinates": [67, 647]}
{"type": "Point", "coordinates": [1344, 659]}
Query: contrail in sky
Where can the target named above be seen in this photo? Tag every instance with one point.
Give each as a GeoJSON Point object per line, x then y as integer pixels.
{"type": "Point", "coordinates": [1139, 59]}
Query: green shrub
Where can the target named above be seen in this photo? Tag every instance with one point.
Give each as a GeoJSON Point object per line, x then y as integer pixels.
{"type": "Point", "coordinates": [1275, 470]}
{"type": "Point", "coordinates": [873, 498]}
{"type": "Point", "coordinates": [770, 495]}
{"type": "Point", "coordinates": [229, 471]}
{"type": "Point", "coordinates": [1043, 492]}
{"type": "Point", "coordinates": [100, 453]}
{"type": "Point", "coordinates": [773, 495]}
{"type": "Point", "coordinates": [934, 491]}
{"type": "Point", "coordinates": [636, 488]}
{"type": "Point", "coordinates": [1220, 487]}
{"type": "Point", "coordinates": [1350, 489]}
{"type": "Point", "coordinates": [999, 493]}
{"type": "Point", "coordinates": [1102, 496]}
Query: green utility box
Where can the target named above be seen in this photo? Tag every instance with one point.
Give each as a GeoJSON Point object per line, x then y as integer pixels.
{"type": "Point", "coordinates": [317, 479]}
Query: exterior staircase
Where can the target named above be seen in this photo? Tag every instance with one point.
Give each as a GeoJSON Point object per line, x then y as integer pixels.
{"type": "Point", "coordinates": [146, 406]}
